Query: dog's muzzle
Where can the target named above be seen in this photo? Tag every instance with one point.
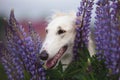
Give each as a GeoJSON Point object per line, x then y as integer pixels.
{"type": "Point", "coordinates": [50, 63]}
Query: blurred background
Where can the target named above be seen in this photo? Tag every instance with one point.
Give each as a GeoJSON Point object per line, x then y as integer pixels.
{"type": "Point", "coordinates": [36, 11]}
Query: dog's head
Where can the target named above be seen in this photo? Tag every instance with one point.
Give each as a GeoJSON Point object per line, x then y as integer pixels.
{"type": "Point", "coordinates": [60, 34]}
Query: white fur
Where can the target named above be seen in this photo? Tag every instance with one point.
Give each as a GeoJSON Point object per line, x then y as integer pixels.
{"type": "Point", "coordinates": [53, 42]}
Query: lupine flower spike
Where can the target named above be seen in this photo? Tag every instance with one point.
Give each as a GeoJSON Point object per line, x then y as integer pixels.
{"type": "Point", "coordinates": [82, 24]}
{"type": "Point", "coordinates": [107, 34]}
{"type": "Point", "coordinates": [20, 54]}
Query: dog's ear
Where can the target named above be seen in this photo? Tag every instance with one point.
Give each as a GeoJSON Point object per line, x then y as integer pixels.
{"type": "Point", "coordinates": [73, 14]}
{"type": "Point", "coordinates": [58, 14]}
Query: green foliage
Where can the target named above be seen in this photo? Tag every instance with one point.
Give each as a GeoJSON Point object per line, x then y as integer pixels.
{"type": "Point", "coordinates": [26, 75]}
{"type": "Point", "coordinates": [3, 75]}
{"type": "Point", "coordinates": [99, 69]}
{"type": "Point", "coordinates": [85, 68]}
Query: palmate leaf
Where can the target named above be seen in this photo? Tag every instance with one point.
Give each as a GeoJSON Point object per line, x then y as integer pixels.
{"type": "Point", "coordinates": [74, 71]}
{"type": "Point", "coordinates": [56, 73]}
{"type": "Point", "coordinates": [85, 68]}
{"type": "Point", "coordinates": [77, 70]}
{"type": "Point", "coordinates": [99, 69]}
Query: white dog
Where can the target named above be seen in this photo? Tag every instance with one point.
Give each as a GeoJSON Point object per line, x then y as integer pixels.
{"type": "Point", "coordinates": [59, 41]}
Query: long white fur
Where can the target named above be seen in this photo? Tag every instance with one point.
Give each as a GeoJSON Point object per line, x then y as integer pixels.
{"type": "Point", "coordinates": [53, 42]}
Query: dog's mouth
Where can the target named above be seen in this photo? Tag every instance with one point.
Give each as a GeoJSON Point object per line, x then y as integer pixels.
{"type": "Point", "coordinates": [53, 61]}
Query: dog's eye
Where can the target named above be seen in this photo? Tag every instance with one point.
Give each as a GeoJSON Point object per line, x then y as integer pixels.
{"type": "Point", "coordinates": [61, 31]}
{"type": "Point", "coordinates": [46, 31]}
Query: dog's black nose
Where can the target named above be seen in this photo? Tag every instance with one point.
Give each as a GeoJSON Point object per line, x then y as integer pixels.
{"type": "Point", "coordinates": [43, 55]}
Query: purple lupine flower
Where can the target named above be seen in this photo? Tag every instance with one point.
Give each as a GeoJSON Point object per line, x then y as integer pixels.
{"type": "Point", "coordinates": [102, 19]}
{"type": "Point", "coordinates": [22, 51]}
{"type": "Point", "coordinates": [82, 23]}
{"type": "Point", "coordinates": [12, 60]}
{"type": "Point", "coordinates": [7, 68]}
{"type": "Point", "coordinates": [1, 46]}
{"type": "Point", "coordinates": [35, 37]}
{"type": "Point", "coordinates": [12, 65]}
{"type": "Point", "coordinates": [107, 34]}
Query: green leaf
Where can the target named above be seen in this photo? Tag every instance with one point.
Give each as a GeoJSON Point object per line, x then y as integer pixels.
{"type": "Point", "coordinates": [26, 75]}
{"type": "Point", "coordinates": [82, 69]}
{"type": "Point", "coordinates": [83, 54]}
{"type": "Point", "coordinates": [53, 74]}
{"type": "Point", "coordinates": [3, 75]}
{"type": "Point", "coordinates": [60, 67]}
{"type": "Point", "coordinates": [99, 69]}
